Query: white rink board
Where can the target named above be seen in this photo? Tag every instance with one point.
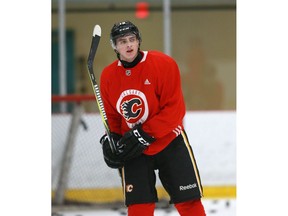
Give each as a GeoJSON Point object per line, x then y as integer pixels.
{"type": "Point", "coordinates": [211, 134]}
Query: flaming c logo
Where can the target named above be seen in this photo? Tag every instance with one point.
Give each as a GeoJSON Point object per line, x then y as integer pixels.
{"type": "Point", "coordinates": [132, 105]}
{"type": "Point", "coordinates": [131, 109]}
{"type": "Point", "coordinates": [129, 188]}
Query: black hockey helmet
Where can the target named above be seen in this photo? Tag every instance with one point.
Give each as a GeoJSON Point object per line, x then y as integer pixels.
{"type": "Point", "coordinates": [122, 28]}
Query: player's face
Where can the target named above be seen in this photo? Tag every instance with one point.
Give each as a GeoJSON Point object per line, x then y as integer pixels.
{"type": "Point", "coordinates": [127, 47]}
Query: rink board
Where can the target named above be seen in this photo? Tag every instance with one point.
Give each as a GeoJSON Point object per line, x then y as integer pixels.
{"type": "Point", "coordinates": [104, 195]}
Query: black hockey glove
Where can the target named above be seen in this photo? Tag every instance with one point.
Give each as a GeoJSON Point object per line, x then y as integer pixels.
{"type": "Point", "coordinates": [134, 142]}
{"type": "Point", "coordinates": [111, 159]}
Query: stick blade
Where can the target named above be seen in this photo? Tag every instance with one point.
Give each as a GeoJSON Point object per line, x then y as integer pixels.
{"type": "Point", "coordinates": [97, 31]}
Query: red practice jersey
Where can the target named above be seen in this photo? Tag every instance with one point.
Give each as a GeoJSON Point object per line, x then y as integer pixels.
{"type": "Point", "coordinates": [149, 93]}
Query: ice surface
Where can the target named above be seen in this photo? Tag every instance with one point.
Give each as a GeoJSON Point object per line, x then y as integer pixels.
{"type": "Point", "coordinates": [213, 207]}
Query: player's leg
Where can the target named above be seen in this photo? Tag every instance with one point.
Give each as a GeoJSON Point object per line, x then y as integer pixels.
{"type": "Point", "coordinates": [190, 208]}
{"type": "Point", "coordinates": [146, 209]}
{"type": "Point", "coordinates": [139, 183]}
{"type": "Point", "coordinates": [179, 175]}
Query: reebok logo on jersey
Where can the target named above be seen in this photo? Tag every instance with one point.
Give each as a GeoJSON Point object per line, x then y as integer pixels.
{"type": "Point", "coordinates": [187, 187]}
{"type": "Point", "coordinates": [147, 82]}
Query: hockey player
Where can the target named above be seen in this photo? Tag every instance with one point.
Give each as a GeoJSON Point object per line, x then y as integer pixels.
{"type": "Point", "coordinates": [143, 100]}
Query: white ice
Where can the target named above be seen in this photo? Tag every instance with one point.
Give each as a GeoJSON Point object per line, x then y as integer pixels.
{"type": "Point", "coordinates": [213, 207]}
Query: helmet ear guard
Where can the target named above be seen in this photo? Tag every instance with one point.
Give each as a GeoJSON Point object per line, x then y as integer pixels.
{"type": "Point", "coordinates": [113, 45]}
{"type": "Point", "coordinates": [121, 29]}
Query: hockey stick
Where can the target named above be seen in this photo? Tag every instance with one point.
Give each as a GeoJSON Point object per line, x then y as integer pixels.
{"type": "Point", "coordinates": [94, 45]}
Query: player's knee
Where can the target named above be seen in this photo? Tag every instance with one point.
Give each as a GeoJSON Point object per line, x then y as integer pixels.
{"type": "Point", "coordinates": [190, 208]}
{"type": "Point", "coordinates": [146, 209]}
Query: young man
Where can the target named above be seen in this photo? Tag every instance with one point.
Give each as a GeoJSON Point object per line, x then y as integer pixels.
{"type": "Point", "coordinates": [143, 100]}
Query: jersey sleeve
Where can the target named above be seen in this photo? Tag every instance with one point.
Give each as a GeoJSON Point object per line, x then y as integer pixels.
{"type": "Point", "coordinates": [171, 101]}
{"type": "Point", "coordinates": [114, 119]}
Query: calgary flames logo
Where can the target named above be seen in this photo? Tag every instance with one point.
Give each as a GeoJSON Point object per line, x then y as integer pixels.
{"type": "Point", "coordinates": [132, 105]}
{"type": "Point", "coordinates": [131, 109]}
